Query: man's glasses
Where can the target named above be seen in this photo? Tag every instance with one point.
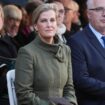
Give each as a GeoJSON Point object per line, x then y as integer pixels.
{"type": "Point", "coordinates": [98, 9]}
{"type": "Point", "coordinates": [61, 11]}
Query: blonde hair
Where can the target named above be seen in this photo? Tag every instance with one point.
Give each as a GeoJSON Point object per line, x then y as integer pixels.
{"type": "Point", "coordinates": [42, 8]}
{"type": "Point", "coordinates": [12, 11]}
{"type": "Point", "coordinates": [76, 6]}
{"type": "Point", "coordinates": [73, 5]}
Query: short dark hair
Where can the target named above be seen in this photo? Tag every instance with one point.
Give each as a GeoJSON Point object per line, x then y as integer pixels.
{"type": "Point", "coordinates": [31, 6]}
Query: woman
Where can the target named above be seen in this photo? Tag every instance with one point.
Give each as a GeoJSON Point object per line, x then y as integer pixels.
{"type": "Point", "coordinates": [43, 67]}
{"type": "Point", "coordinates": [61, 27]}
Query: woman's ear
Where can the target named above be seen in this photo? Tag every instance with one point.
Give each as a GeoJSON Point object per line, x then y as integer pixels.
{"type": "Point", "coordinates": [35, 26]}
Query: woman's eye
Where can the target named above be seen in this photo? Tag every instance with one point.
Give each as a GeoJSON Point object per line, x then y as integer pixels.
{"type": "Point", "coordinates": [44, 20]}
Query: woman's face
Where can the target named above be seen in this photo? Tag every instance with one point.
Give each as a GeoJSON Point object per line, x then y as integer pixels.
{"type": "Point", "coordinates": [61, 12]}
{"type": "Point", "coordinates": [47, 25]}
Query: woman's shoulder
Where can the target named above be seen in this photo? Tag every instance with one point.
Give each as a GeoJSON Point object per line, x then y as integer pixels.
{"type": "Point", "coordinates": [27, 48]}
{"type": "Point", "coordinates": [30, 48]}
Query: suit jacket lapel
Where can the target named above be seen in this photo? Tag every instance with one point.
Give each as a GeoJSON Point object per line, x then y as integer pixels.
{"type": "Point", "coordinates": [94, 41]}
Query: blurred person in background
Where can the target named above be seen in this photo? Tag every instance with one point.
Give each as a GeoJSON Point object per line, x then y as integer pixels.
{"type": "Point", "coordinates": [61, 27]}
{"type": "Point", "coordinates": [71, 17]}
{"type": "Point", "coordinates": [83, 12]}
{"type": "Point", "coordinates": [30, 7]}
{"type": "Point", "coordinates": [76, 12]}
{"type": "Point", "coordinates": [8, 49]}
{"type": "Point", "coordinates": [26, 31]}
{"type": "Point", "coordinates": [12, 19]}
{"type": "Point", "coordinates": [24, 22]}
{"type": "Point", "coordinates": [75, 22]}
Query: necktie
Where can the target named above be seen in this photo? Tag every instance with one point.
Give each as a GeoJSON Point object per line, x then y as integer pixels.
{"type": "Point", "coordinates": [103, 38]}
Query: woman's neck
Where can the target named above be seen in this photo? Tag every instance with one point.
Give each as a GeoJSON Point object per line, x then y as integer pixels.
{"type": "Point", "coordinates": [48, 40]}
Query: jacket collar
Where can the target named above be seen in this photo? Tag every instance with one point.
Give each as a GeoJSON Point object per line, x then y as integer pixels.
{"type": "Point", "coordinates": [94, 41]}
{"type": "Point", "coordinates": [56, 48]}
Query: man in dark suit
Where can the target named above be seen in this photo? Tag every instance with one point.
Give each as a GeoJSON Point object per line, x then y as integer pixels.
{"type": "Point", "coordinates": [88, 56]}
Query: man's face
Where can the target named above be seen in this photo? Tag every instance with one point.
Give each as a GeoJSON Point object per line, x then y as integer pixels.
{"type": "Point", "coordinates": [12, 26]}
{"type": "Point", "coordinates": [96, 15]}
{"type": "Point", "coordinates": [69, 14]}
{"type": "Point", "coordinates": [75, 20]}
